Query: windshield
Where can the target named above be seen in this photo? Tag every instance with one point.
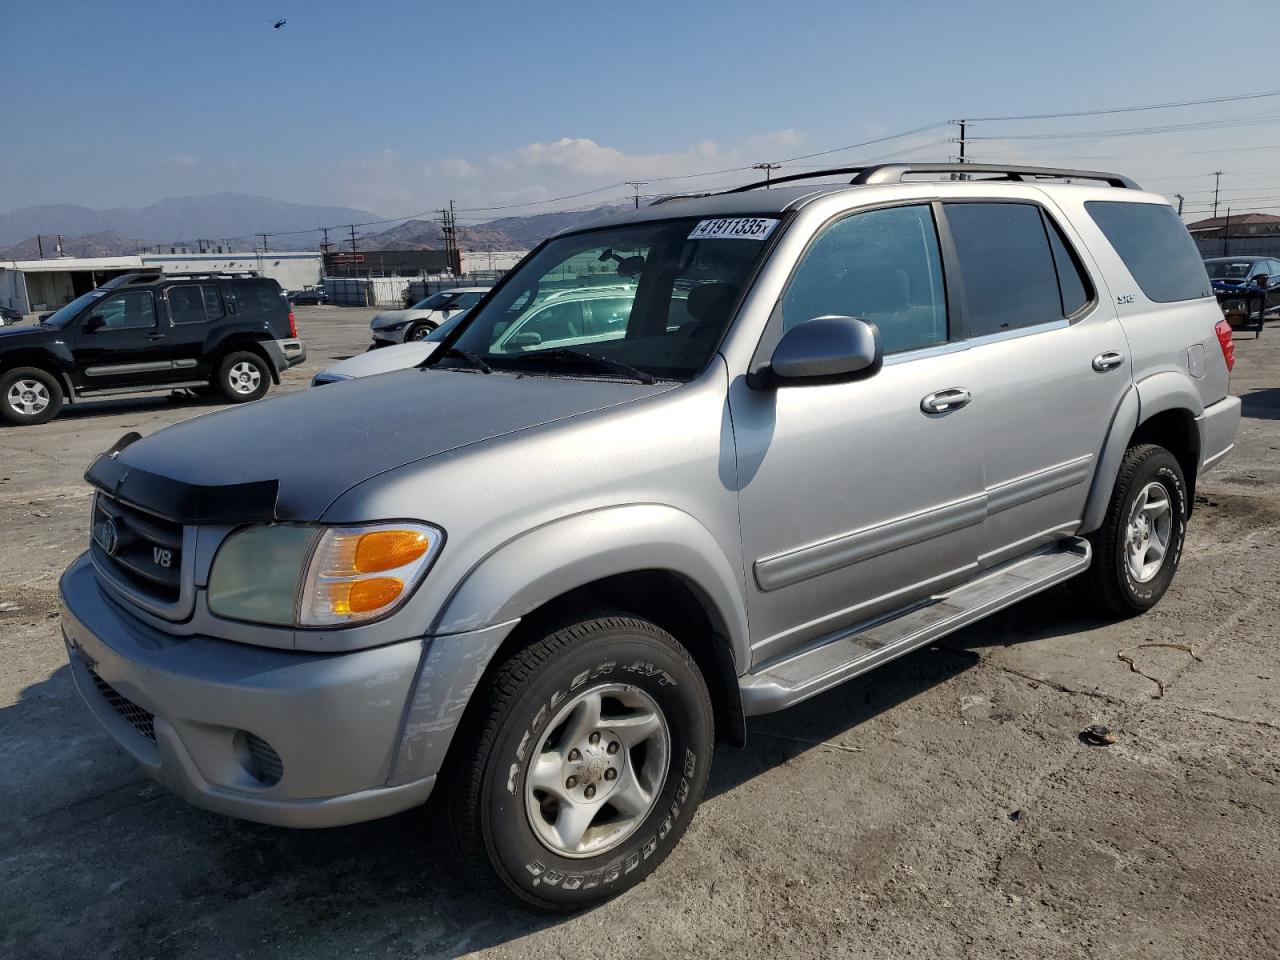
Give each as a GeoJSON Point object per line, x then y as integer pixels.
{"type": "Point", "coordinates": [446, 328]}
{"type": "Point", "coordinates": [1229, 269]}
{"type": "Point", "coordinates": [68, 313]}
{"type": "Point", "coordinates": [448, 298]}
{"type": "Point", "coordinates": [646, 296]}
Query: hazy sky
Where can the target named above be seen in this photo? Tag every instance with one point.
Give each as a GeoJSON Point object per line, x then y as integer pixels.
{"type": "Point", "coordinates": [399, 107]}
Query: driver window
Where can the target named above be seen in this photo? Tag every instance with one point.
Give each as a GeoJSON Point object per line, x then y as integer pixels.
{"type": "Point", "coordinates": [134, 310]}
{"type": "Point", "coordinates": [883, 266]}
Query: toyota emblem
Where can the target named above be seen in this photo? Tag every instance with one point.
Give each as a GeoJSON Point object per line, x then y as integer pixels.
{"type": "Point", "coordinates": [110, 538]}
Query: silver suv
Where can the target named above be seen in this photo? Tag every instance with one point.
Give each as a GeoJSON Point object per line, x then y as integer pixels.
{"type": "Point", "coordinates": [838, 422]}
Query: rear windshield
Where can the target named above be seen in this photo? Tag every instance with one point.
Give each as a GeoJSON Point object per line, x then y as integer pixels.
{"type": "Point", "coordinates": [260, 298]}
{"type": "Point", "coordinates": [1155, 246]}
{"type": "Point", "coordinates": [1229, 269]}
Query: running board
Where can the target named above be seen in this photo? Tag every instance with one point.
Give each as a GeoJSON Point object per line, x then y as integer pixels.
{"type": "Point", "coordinates": [786, 682]}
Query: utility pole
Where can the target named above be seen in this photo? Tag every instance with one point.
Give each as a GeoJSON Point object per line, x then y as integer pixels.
{"type": "Point", "coordinates": [1180, 199]}
{"type": "Point", "coordinates": [353, 241]}
{"type": "Point", "coordinates": [449, 229]}
{"type": "Point", "coordinates": [768, 169]}
{"type": "Point", "coordinates": [324, 244]}
{"type": "Point", "coordinates": [963, 125]}
{"type": "Point", "coordinates": [1217, 179]}
{"type": "Point", "coordinates": [264, 240]}
{"type": "Point", "coordinates": [636, 185]}
{"type": "Point", "coordinates": [40, 246]}
{"type": "Point", "coordinates": [1226, 232]}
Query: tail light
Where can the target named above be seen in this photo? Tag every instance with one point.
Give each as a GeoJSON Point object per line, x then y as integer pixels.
{"type": "Point", "coordinates": [293, 325]}
{"type": "Point", "coordinates": [1223, 330]}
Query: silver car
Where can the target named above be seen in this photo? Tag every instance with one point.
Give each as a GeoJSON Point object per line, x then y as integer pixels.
{"type": "Point", "coordinates": [832, 423]}
{"type": "Point", "coordinates": [405, 326]}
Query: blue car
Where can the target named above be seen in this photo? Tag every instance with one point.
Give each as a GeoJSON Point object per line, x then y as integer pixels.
{"type": "Point", "coordinates": [1246, 287]}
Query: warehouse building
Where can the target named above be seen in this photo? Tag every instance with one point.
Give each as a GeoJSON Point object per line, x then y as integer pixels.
{"type": "Point", "coordinates": [40, 286]}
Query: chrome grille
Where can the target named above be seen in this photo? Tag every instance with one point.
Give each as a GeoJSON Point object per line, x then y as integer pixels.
{"type": "Point", "coordinates": [143, 550]}
{"type": "Point", "coordinates": [134, 715]}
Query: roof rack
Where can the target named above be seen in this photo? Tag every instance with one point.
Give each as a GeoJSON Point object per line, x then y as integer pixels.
{"type": "Point", "coordinates": [895, 172]}
{"type": "Point", "coordinates": [155, 276]}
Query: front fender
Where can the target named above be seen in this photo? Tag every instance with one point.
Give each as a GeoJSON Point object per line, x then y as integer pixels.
{"type": "Point", "coordinates": [548, 561]}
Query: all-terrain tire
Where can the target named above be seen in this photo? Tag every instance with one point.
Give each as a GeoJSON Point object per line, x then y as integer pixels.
{"type": "Point", "coordinates": [1111, 584]}
{"type": "Point", "coordinates": [491, 803]}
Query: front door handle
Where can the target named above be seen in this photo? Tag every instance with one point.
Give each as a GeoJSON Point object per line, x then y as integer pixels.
{"type": "Point", "coordinates": [946, 400]}
{"type": "Point", "coordinates": [1107, 361]}
{"type": "Point", "coordinates": [155, 336]}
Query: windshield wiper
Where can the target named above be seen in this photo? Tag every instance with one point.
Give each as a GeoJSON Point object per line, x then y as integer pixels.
{"type": "Point", "coordinates": [468, 357]}
{"type": "Point", "coordinates": [568, 355]}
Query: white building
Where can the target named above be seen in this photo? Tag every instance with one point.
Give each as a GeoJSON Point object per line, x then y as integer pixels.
{"type": "Point", "coordinates": [39, 286]}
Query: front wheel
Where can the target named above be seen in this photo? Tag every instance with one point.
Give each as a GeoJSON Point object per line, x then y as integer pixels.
{"type": "Point", "coordinates": [584, 764]}
{"type": "Point", "coordinates": [243, 376]}
{"type": "Point", "coordinates": [419, 331]}
{"type": "Point", "coordinates": [29, 395]}
{"type": "Point", "coordinates": [1137, 548]}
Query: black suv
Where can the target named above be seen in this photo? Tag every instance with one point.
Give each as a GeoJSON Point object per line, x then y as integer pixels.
{"type": "Point", "coordinates": [213, 333]}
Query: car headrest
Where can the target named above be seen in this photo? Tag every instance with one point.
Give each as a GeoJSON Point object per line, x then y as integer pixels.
{"type": "Point", "coordinates": [711, 301]}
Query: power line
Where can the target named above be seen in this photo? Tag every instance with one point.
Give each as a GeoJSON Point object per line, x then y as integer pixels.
{"type": "Point", "coordinates": [1138, 131]}
{"type": "Point", "coordinates": [1133, 109]}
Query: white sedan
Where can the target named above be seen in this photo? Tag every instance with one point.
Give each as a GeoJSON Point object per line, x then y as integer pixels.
{"type": "Point", "coordinates": [405, 326]}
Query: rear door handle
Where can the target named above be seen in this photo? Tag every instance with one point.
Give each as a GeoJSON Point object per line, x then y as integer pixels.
{"type": "Point", "coordinates": [155, 336]}
{"type": "Point", "coordinates": [1107, 361]}
{"type": "Point", "coordinates": [945, 400]}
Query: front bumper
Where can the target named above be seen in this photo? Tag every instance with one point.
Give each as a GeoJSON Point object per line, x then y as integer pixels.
{"type": "Point", "coordinates": [388, 335]}
{"type": "Point", "coordinates": [185, 708]}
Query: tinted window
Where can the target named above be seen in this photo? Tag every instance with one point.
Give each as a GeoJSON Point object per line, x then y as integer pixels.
{"type": "Point", "coordinates": [213, 308]}
{"type": "Point", "coordinates": [256, 297]}
{"type": "Point", "coordinates": [882, 266]}
{"type": "Point", "coordinates": [1230, 269]}
{"type": "Point", "coordinates": [1072, 282]}
{"type": "Point", "coordinates": [1009, 277]}
{"type": "Point", "coordinates": [1155, 246]}
{"type": "Point", "coordinates": [134, 310]}
{"type": "Point", "coordinates": [186, 305]}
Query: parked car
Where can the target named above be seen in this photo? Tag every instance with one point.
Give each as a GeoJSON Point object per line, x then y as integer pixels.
{"type": "Point", "coordinates": [545, 585]}
{"type": "Point", "coordinates": [314, 295]}
{"type": "Point", "coordinates": [400, 326]}
{"type": "Point", "coordinates": [1247, 288]}
{"type": "Point", "coordinates": [9, 315]}
{"type": "Point", "coordinates": [225, 334]}
{"type": "Point", "coordinates": [398, 356]}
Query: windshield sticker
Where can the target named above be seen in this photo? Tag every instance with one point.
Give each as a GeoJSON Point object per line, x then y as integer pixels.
{"type": "Point", "coordinates": [734, 228]}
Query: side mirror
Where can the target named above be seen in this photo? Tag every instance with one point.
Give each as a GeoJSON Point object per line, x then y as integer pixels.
{"type": "Point", "coordinates": [43, 317]}
{"type": "Point", "coordinates": [825, 350]}
{"type": "Point", "coordinates": [94, 323]}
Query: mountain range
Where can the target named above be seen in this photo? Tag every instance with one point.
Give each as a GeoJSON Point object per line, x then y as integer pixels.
{"type": "Point", "coordinates": [238, 217]}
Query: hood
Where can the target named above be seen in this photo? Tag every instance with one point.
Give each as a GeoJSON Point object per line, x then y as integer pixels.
{"type": "Point", "coordinates": [384, 360]}
{"type": "Point", "coordinates": [21, 328]}
{"type": "Point", "coordinates": [319, 443]}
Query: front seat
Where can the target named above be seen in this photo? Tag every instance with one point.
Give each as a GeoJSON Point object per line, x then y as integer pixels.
{"type": "Point", "coordinates": [709, 305]}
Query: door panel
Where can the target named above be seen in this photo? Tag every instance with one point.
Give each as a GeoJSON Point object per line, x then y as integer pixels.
{"type": "Point", "coordinates": [193, 309]}
{"type": "Point", "coordinates": [1048, 410]}
{"type": "Point", "coordinates": [853, 500]}
{"type": "Point", "coordinates": [1050, 364]}
{"type": "Point", "coordinates": [129, 349]}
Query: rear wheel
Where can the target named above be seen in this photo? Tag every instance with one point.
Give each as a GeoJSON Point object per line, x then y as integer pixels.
{"type": "Point", "coordinates": [29, 395]}
{"type": "Point", "coordinates": [585, 765]}
{"type": "Point", "coordinates": [243, 376]}
{"type": "Point", "coordinates": [1136, 551]}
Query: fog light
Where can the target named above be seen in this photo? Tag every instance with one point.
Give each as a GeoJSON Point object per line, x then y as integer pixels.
{"type": "Point", "coordinates": [259, 758]}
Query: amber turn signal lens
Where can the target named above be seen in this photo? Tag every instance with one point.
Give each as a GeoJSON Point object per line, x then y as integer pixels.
{"type": "Point", "coordinates": [372, 594]}
{"type": "Point", "coordinates": [388, 549]}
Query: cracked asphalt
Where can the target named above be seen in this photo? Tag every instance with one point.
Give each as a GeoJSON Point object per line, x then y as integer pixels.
{"type": "Point", "coordinates": [942, 806]}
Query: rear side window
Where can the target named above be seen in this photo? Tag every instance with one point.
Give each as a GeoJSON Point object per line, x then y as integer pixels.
{"type": "Point", "coordinates": [1008, 269]}
{"type": "Point", "coordinates": [194, 304]}
{"type": "Point", "coordinates": [259, 298]}
{"type": "Point", "coordinates": [1156, 248]}
{"type": "Point", "coordinates": [1073, 284]}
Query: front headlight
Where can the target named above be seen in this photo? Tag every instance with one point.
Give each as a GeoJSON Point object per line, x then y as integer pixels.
{"type": "Point", "coordinates": [310, 576]}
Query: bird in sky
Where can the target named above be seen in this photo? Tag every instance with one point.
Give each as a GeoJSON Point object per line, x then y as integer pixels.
{"type": "Point", "coordinates": [279, 23]}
